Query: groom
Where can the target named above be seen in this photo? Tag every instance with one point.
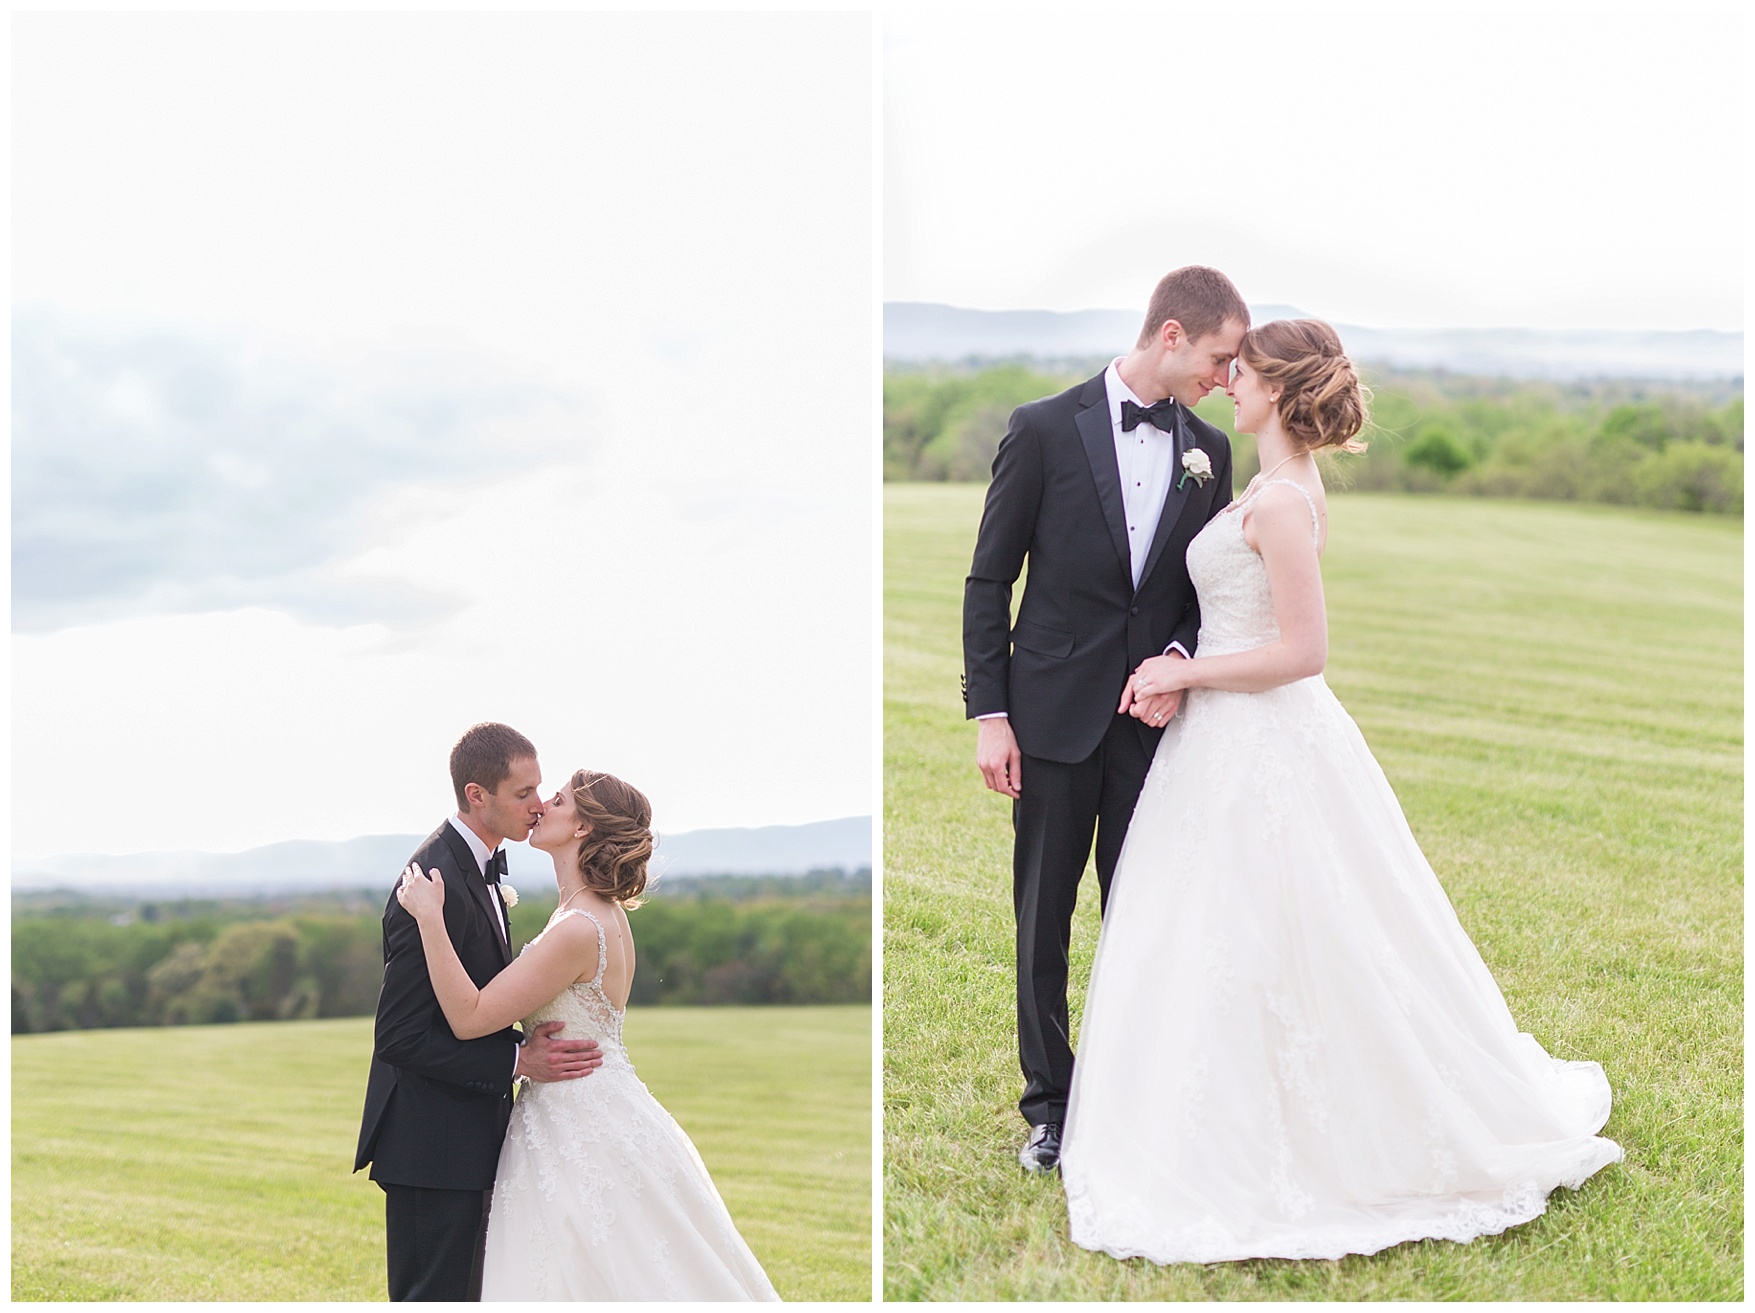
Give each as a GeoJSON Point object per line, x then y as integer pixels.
{"type": "Point", "coordinates": [437, 1106]}
{"type": "Point", "coordinates": [1101, 488]}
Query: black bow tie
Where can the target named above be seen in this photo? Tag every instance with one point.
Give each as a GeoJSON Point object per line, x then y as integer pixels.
{"type": "Point", "coordinates": [1161, 415]}
{"type": "Point", "coordinates": [496, 867]}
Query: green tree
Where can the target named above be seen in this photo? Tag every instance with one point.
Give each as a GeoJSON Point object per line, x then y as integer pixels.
{"type": "Point", "coordinates": [1693, 476]}
{"type": "Point", "coordinates": [1438, 450]}
{"type": "Point", "coordinates": [1643, 424]}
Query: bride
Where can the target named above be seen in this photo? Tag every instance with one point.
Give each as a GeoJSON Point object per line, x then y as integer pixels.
{"type": "Point", "coordinates": [1290, 1047]}
{"type": "Point", "coordinates": [599, 1193]}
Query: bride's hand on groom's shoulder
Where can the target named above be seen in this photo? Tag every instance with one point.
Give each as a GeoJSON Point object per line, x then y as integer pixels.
{"type": "Point", "coordinates": [419, 895]}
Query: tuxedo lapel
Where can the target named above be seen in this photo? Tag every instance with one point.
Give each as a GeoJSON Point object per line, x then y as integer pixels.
{"type": "Point", "coordinates": [505, 920]}
{"type": "Point", "coordinates": [477, 887]}
{"type": "Point", "coordinates": [1098, 436]}
{"type": "Point", "coordinates": [1174, 499]}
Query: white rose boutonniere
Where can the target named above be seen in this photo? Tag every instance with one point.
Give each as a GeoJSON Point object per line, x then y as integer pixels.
{"type": "Point", "coordinates": [1195, 464]}
{"type": "Point", "coordinates": [509, 894]}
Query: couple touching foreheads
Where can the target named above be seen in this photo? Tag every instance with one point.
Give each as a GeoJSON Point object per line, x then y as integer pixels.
{"type": "Point", "coordinates": [584, 1188]}
{"type": "Point", "coordinates": [1290, 1047]}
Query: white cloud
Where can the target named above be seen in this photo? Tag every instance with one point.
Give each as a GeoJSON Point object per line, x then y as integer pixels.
{"type": "Point", "coordinates": [720, 660]}
{"type": "Point", "coordinates": [641, 246]}
{"type": "Point", "coordinates": [162, 472]}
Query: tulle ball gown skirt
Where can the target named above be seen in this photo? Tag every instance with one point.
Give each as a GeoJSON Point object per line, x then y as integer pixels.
{"type": "Point", "coordinates": [1290, 1047]}
{"type": "Point", "coordinates": [601, 1196]}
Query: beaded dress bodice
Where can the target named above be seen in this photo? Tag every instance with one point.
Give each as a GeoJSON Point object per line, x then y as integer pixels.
{"type": "Point", "coordinates": [584, 1007]}
{"type": "Point", "coordinates": [1236, 604]}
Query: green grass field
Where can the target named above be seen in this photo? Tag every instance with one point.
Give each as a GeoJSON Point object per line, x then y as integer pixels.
{"type": "Point", "coordinates": [1555, 692]}
{"type": "Point", "coordinates": [212, 1162]}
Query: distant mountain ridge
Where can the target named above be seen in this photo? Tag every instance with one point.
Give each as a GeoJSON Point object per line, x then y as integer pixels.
{"type": "Point", "coordinates": [373, 861]}
{"type": "Point", "coordinates": [920, 332]}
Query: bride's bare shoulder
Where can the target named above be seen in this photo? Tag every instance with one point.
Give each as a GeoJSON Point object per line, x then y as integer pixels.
{"type": "Point", "coordinates": [1287, 506]}
{"type": "Point", "coordinates": [575, 931]}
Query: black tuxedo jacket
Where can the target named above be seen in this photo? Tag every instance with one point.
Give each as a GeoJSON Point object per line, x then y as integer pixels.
{"type": "Point", "coordinates": [1082, 627]}
{"type": "Point", "coordinates": [437, 1106]}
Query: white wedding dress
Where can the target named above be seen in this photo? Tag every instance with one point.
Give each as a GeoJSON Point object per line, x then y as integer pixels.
{"type": "Point", "coordinates": [1290, 1047]}
{"type": "Point", "coordinates": [599, 1193]}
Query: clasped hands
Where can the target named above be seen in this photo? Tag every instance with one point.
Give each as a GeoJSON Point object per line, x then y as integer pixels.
{"type": "Point", "coordinates": [1154, 691]}
{"type": "Point", "coordinates": [1153, 694]}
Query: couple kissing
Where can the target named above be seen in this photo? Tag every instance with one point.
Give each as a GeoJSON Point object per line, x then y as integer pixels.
{"type": "Point", "coordinates": [583, 1187]}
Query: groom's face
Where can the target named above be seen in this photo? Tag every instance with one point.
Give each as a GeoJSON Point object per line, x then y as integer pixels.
{"type": "Point", "coordinates": [513, 809]}
{"type": "Point", "coordinates": [1196, 366]}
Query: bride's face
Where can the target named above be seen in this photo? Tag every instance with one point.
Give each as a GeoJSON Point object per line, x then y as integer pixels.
{"type": "Point", "coordinates": [558, 825]}
{"type": "Point", "coordinates": [1251, 399]}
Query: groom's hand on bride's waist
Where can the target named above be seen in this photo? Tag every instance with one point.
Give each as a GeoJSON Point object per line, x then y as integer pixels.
{"type": "Point", "coordinates": [542, 1057]}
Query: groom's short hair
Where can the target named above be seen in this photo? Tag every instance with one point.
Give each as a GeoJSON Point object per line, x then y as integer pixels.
{"type": "Point", "coordinates": [484, 756]}
{"type": "Point", "coordinates": [1198, 298]}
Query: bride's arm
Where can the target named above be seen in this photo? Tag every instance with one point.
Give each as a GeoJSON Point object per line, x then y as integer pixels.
{"type": "Point", "coordinates": [1280, 523]}
{"type": "Point", "coordinates": [565, 952]}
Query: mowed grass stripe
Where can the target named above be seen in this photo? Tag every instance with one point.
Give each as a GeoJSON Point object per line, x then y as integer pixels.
{"type": "Point", "coordinates": [1556, 694]}
{"type": "Point", "coordinates": [212, 1162]}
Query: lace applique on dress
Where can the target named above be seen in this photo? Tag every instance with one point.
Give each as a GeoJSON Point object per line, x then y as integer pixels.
{"type": "Point", "coordinates": [1190, 1097]}
{"type": "Point", "coordinates": [1443, 1157]}
{"type": "Point", "coordinates": [1293, 1201]}
{"type": "Point", "coordinates": [1299, 1060]}
{"type": "Point", "coordinates": [1221, 980]}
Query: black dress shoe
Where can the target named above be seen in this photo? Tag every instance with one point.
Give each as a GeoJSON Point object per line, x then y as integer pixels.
{"type": "Point", "coordinates": [1041, 1152]}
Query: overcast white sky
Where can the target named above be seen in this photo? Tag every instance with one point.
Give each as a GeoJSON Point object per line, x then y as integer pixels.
{"type": "Point", "coordinates": [378, 374]}
{"type": "Point", "coordinates": [1403, 166]}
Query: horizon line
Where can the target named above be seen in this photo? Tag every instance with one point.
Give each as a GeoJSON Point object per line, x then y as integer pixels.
{"type": "Point", "coordinates": [1283, 305]}
{"type": "Point", "coordinates": [16, 860]}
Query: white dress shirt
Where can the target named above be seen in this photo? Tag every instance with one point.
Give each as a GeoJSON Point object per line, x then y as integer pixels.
{"type": "Point", "coordinates": [482, 854]}
{"type": "Point", "coordinates": [1145, 458]}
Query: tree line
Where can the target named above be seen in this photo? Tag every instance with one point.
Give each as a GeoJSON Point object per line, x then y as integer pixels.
{"type": "Point", "coordinates": [1672, 445]}
{"type": "Point", "coordinates": [80, 962]}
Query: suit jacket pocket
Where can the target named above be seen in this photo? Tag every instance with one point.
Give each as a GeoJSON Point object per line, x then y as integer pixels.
{"type": "Point", "coordinates": [1041, 639]}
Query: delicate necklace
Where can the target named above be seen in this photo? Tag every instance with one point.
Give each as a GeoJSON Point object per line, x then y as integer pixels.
{"type": "Point", "coordinates": [569, 898]}
{"type": "Point", "coordinates": [1261, 478]}
{"type": "Point", "coordinates": [1294, 456]}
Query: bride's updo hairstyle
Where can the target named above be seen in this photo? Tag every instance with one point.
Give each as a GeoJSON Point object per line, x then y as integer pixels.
{"type": "Point", "coordinates": [613, 856]}
{"type": "Point", "coordinates": [1322, 403]}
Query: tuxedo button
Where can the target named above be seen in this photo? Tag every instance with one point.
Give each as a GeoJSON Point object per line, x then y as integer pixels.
{"type": "Point", "coordinates": [1134, 610]}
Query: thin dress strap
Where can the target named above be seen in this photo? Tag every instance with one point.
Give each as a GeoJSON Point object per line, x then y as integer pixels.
{"type": "Point", "coordinates": [602, 942]}
{"type": "Point", "coordinates": [1315, 524]}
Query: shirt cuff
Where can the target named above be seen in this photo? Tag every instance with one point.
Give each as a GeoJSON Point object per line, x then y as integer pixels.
{"type": "Point", "coordinates": [1179, 649]}
{"type": "Point", "coordinates": [994, 715]}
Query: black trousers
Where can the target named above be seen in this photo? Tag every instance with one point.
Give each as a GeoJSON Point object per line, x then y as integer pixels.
{"type": "Point", "coordinates": [435, 1241]}
{"type": "Point", "coordinates": [1061, 805]}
